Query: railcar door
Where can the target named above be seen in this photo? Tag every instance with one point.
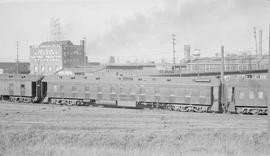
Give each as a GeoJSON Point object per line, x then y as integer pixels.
{"type": "Point", "coordinates": [44, 89]}
{"type": "Point", "coordinates": [11, 89]}
{"type": "Point", "coordinates": [22, 89]}
{"type": "Point", "coordinates": [34, 89]}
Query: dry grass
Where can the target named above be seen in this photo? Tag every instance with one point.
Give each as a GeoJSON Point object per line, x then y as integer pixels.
{"type": "Point", "coordinates": [29, 130]}
{"type": "Point", "coordinates": [32, 143]}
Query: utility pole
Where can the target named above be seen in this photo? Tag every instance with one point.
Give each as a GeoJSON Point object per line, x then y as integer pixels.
{"type": "Point", "coordinates": [17, 60]}
{"type": "Point", "coordinates": [84, 55]}
{"type": "Point", "coordinates": [255, 37]}
{"type": "Point", "coordinates": [268, 98]}
{"type": "Point", "coordinates": [269, 60]}
{"type": "Point", "coordinates": [223, 94]}
{"type": "Point", "coordinates": [173, 42]}
{"type": "Point", "coordinates": [260, 42]}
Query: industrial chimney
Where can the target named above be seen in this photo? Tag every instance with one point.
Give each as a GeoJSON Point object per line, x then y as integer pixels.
{"type": "Point", "coordinates": [260, 42]}
{"type": "Point", "coordinates": [83, 52]}
{"type": "Point", "coordinates": [186, 52]}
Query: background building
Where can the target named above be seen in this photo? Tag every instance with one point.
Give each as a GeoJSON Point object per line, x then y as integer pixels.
{"type": "Point", "coordinates": [53, 56]}
{"type": "Point", "coordinates": [14, 67]}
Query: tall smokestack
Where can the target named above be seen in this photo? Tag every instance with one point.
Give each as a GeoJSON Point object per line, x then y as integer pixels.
{"type": "Point", "coordinates": [186, 52]}
{"type": "Point", "coordinates": [84, 53]}
{"type": "Point", "coordinates": [260, 42]}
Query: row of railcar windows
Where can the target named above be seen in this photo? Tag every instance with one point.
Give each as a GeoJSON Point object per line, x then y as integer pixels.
{"type": "Point", "coordinates": [251, 95]}
{"type": "Point", "coordinates": [134, 90]}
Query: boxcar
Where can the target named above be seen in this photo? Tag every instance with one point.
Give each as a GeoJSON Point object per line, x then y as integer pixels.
{"type": "Point", "coordinates": [248, 96]}
{"type": "Point", "coordinates": [20, 88]}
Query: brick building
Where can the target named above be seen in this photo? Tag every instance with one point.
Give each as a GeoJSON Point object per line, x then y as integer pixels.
{"type": "Point", "coordinates": [14, 67]}
{"type": "Point", "coordinates": [50, 57]}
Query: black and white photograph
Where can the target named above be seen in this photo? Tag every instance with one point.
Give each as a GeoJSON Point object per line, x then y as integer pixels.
{"type": "Point", "coordinates": [134, 77]}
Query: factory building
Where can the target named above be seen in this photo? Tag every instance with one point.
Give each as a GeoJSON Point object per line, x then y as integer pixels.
{"type": "Point", "coordinates": [14, 67]}
{"type": "Point", "coordinates": [53, 56]}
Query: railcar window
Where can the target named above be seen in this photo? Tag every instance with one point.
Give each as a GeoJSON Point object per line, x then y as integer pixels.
{"type": "Point", "coordinates": [141, 90]}
{"type": "Point", "coordinates": [122, 88]}
{"type": "Point", "coordinates": [156, 90]}
{"type": "Point", "coordinates": [61, 88]}
{"type": "Point", "coordinates": [11, 87]}
{"type": "Point", "coordinates": [86, 88]}
{"type": "Point", "coordinates": [251, 95]}
{"type": "Point", "coordinates": [260, 95]}
{"type": "Point", "coordinates": [113, 89]}
{"type": "Point", "coordinates": [99, 89]}
{"type": "Point", "coordinates": [241, 95]}
{"type": "Point", "coordinates": [73, 88]}
{"type": "Point", "coordinates": [55, 88]}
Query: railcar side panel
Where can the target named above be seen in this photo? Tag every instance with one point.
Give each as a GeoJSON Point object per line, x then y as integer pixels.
{"type": "Point", "coordinates": [180, 95]}
{"type": "Point", "coordinates": [248, 96]}
{"type": "Point", "coordinates": [164, 94]}
{"type": "Point", "coordinates": [149, 93]}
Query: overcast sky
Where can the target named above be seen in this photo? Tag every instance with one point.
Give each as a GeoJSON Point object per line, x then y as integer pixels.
{"type": "Point", "coordinates": [134, 29]}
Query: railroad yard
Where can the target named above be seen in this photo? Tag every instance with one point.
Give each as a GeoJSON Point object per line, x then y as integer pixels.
{"type": "Point", "coordinates": [38, 129]}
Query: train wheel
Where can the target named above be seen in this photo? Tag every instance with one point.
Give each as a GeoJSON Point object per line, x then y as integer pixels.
{"type": "Point", "coordinates": [265, 111]}
{"type": "Point", "coordinates": [245, 111]}
{"type": "Point", "coordinates": [238, 110]}
{"type": "Point", "coordinates": [260, 112]}
{"type": "Point", "coordinates": [195, 109]}
{"type": "Point", "coordinates": [200, 109]}
{"type": "Point", "coordinates": [190, 109]}
{"type": "Point", "coordinates": [253, 111]}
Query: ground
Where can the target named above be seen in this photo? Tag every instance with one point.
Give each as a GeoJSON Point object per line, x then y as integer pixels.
{"type": "Point", "coordinates": [38, 129]}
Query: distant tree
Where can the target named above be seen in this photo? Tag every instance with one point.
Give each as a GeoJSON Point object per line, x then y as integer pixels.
{"type": "Point", "coordinates": [111, 60]}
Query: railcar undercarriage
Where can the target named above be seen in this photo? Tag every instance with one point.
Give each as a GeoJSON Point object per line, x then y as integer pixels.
{"type": "Point", "coordinates": [251, 110]}
{"type": "Point", "coordinates": [21, 99]}
{"type": "Point", "coordinates": [175, 107]}
{"type": "Point", "coordinates": [68, 102]}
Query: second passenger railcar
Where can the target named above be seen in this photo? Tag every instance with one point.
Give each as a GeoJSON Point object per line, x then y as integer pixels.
{"type": "Point", "coordinates": [248, 96]}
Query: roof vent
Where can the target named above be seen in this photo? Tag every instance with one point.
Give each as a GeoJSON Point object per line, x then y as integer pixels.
{"type": "Point", "coordinates": [169, 80]}
{"type": "Point", "coordinates": [139, 79]}
{"type": "Point", "coordinates": [23, 76]}
{"type": "Point", "coordinates": [97, 78]}
{"type": "Point", "coordinates": [73, 77]}
{"type": "Point", "coordinates": [61, 77]}
{"type": "Point", "coordinates": [85, 77]}
{"type": "Point", "coordinates": [202, 80]}
{"type": "Point", "coordinates": [10, 76]}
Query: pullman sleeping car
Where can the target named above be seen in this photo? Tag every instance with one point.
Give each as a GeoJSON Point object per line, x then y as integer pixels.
{"type": "Point", "coordinates": [248, 96]}
{"type": "Point", "coordinates": [180, 94]}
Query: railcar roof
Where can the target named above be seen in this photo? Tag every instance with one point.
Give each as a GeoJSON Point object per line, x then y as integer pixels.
{"type": "Point", "coordinates": [172, 80]}
{"type": "Point", "coordinates": [248, 82]}
{"type": "Point", "coordinates": [22, 77]}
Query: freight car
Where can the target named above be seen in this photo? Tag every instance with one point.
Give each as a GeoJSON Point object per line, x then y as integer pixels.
{"type": "Point", "coordinates": [170, 93]}
{"type": "Point", "coordinates": [21, 88]}
{"type": "Point", "coordinates": [248, 96]}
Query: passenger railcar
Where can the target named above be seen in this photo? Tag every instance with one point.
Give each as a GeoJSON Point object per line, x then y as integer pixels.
{"type": "Point", "coordinates": [171, 93]}
{"type": "Point", "coordinates": [248, 96]}
{"type": "Point", "coordinates": [181, 94]}
{"type": "Point", "coordinates": [20, 88]}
